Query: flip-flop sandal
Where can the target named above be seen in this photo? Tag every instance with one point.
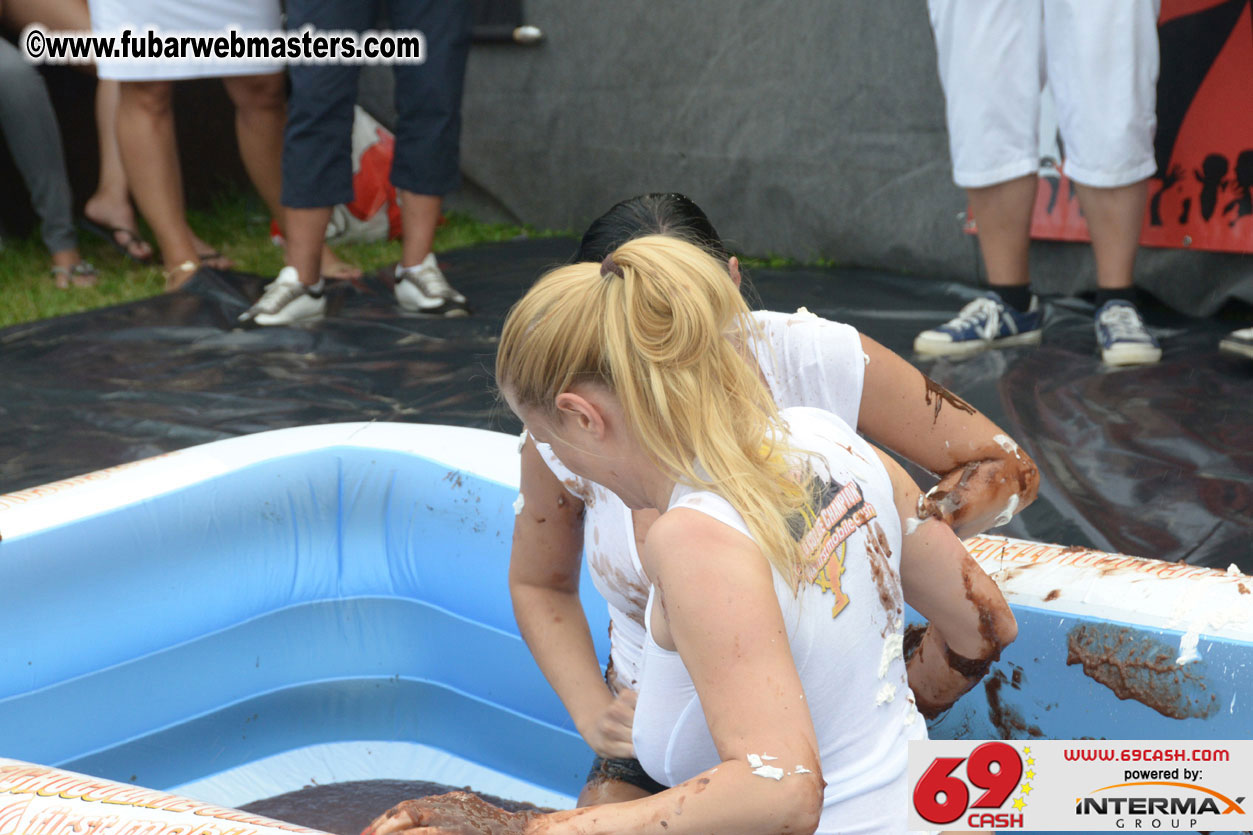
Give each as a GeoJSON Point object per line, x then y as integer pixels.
{"type": "Point", "coordinates": [82, 274]}
{"type": "Point", "coordinates": [109, 234]}
{"type": "Point", "coordinates": [213, 255]}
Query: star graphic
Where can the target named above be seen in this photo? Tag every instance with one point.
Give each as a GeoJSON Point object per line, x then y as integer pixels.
{"type": "Point", "coordinates": [1030, 760]}
{"type": "Point", "coordinates": [1025, 788]}
{"type": "Point", "coordinates": [1018, 804]}
{"type": "Point", "coordinates": [1026, 749]}
{"type": "Point", "coordinates": [1030, 775]}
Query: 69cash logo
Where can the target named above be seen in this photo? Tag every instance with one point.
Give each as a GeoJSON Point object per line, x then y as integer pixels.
{"type": "Point", "coordinates": [985, 790]}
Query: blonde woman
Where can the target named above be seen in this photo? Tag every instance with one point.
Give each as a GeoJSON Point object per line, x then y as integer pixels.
{"type": "Point", "coordinates": [772, 693]}
{"type": "Point", "coordinates": [805, 361]}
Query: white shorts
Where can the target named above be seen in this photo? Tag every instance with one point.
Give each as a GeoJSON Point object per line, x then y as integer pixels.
{"type": "Point", "coordinates": [182, 17]}
{"type": "Point", "coordinates": [1100, 57]}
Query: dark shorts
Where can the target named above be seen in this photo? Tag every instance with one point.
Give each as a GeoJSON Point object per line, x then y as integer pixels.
{"type": "Point", "coordinates": [624, 771]}
{"type": "Point", "coordinates": [317, 142]}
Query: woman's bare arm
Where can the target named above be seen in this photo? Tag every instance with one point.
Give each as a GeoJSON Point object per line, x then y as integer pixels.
{"type": "Point", "coordinates": [718, 608]}
{"type": "Point", "coordinates": [544, 567]}
{"type": "Point", "coordinates": [969, 620]}
{"type": "Point", "coordinates": [985, 478]}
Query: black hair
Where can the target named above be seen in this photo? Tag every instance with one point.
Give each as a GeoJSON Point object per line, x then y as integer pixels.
{"type": "Point", "coordinates": [650, 214]}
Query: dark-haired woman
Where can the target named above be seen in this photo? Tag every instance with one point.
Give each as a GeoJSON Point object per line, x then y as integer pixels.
{"type": "Point", "coordinates": [805, 361]}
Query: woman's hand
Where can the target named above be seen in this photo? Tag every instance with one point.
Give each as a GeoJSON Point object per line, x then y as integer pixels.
{"type": "Point", "coordinates": [455, 813]}
{"type": "Point", "coordinates": [982, 493]}
{"type": "Point", "coordinates": [610, 734]}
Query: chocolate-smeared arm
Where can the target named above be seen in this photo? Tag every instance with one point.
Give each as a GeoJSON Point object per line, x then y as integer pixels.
{"type": "Point", "coordinates": [938, 676]}
{"type": "Point", "coordinates": [983, 492]}
{"type": "Point", "coordinates": [970, 621]}
{"type": "Point", "coordinates": [455, 813]}
{"type": "Point", "coordinates": [984, 475]}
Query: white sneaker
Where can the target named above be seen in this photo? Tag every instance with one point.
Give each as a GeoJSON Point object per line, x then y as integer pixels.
{"type": "Point", "coordinates": [286, 301]}
{"type": "Point", "coordinates": [423, 289]}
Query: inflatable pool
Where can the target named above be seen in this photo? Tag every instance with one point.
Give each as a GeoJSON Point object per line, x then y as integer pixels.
{"type": "Point", "coordinates": [238, 619]}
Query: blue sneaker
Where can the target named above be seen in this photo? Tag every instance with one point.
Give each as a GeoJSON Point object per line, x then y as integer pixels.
{"type": "Point", "coordinates": [986, 322]}
{"type": "Point", "coordinates": [1123, 338]}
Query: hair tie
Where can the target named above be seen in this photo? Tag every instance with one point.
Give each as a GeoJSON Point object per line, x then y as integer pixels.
{"type": "Point", "coordinates": [610, 266]}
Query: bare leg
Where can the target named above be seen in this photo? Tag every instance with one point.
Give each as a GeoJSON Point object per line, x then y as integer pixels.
{"type": "Point", "coordinates": [1114, 217]}
{"type": "Point", "coordinates": [111, 204]}
{"type": "Point", "coordinates": [306, 238]}
{"type": "Point", "coordinates": [419, 215]}
{"type": "Point", "coordinates": [260, 112]}
{"type": "Point", "coordinates": [53, 14]}
{"type": "Point", "coordinates": [429, 292]}
{"type": "Point", "coordinates": [260, 115]}
{"type": "Point", "coordinates": [66, 258]}
{"type": "Point", "coordinates": [70, 270]}
{"type": "Point", "coordinates": [146, 139]}
{"type": "Point", "coordinates": [1003, 213]}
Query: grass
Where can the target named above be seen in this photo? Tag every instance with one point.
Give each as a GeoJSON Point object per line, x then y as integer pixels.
{"type": "Point", "coordinates": [239, 224]}
{"type": "Point", "coordinates": [236, 222]}
{"type": "Point", "coordinates": [774, 261]}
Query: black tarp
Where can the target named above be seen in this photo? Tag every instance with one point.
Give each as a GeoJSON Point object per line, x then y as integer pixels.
{"type": "Point", "coordinates": [1155, 461]}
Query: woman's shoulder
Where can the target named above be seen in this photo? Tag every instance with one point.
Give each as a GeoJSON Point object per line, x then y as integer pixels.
{"type": "Point", "coordinates": [799, 324]}
{"type": "Point", "coordinates": [696, 534]}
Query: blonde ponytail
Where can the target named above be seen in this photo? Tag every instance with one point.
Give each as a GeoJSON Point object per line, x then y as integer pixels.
{"type": "Point", "coordinates": [661, 324]}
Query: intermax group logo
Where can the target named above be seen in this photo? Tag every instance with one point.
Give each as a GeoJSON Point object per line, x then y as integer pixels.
{"type": "Point", "coordinates": [1155, 804]}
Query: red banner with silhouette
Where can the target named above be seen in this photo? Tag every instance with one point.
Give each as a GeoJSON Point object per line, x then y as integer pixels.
{"type": "Point", "coordinates": [1202, 194]}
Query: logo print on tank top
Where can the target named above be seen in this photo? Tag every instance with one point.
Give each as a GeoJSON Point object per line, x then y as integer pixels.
{"type": "Point", "coordinates": [824, 534]}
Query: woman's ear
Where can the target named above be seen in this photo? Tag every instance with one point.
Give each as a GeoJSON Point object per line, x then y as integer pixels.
{"type": "Point", "coordinates": [733, 267]}
{"type": "Point", "coordinates": [582, 413]}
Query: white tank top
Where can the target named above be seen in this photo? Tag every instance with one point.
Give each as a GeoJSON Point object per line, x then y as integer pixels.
{"type": "Point", "coordinates": [807, 361]}
{"type": "Point", "coordinates": [845, 627]}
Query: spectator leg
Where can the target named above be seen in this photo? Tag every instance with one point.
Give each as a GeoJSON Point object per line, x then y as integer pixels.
{"type": "Point", "coordinates": [317, 144]}
{"type": "Point", "coordinates": [260, 114]}
{"type": "Point", "coordinates": [150, 156]}
{"type": "Point", "coordinates": [30, 128]}
{"type": "Point", "coordinates": [428, 116]}
{"type": "Point", "coordinates": [1115, 216]}
{"type": "Point", "coordinates": [1003, 213]}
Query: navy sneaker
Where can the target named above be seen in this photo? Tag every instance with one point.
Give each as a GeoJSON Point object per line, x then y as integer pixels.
{"type": "Point", "coordinates": [986, 322]}
{"type": "Point", "coordinates": [1238, 342]}
{"type": "Point", "coordinates": [1123, 338]}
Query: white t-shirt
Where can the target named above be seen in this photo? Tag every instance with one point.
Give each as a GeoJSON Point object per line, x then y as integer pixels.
{"type": "Point", "coordinates": [845, 627]}
{"type": "Point", "coordinates": [806, 361]}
